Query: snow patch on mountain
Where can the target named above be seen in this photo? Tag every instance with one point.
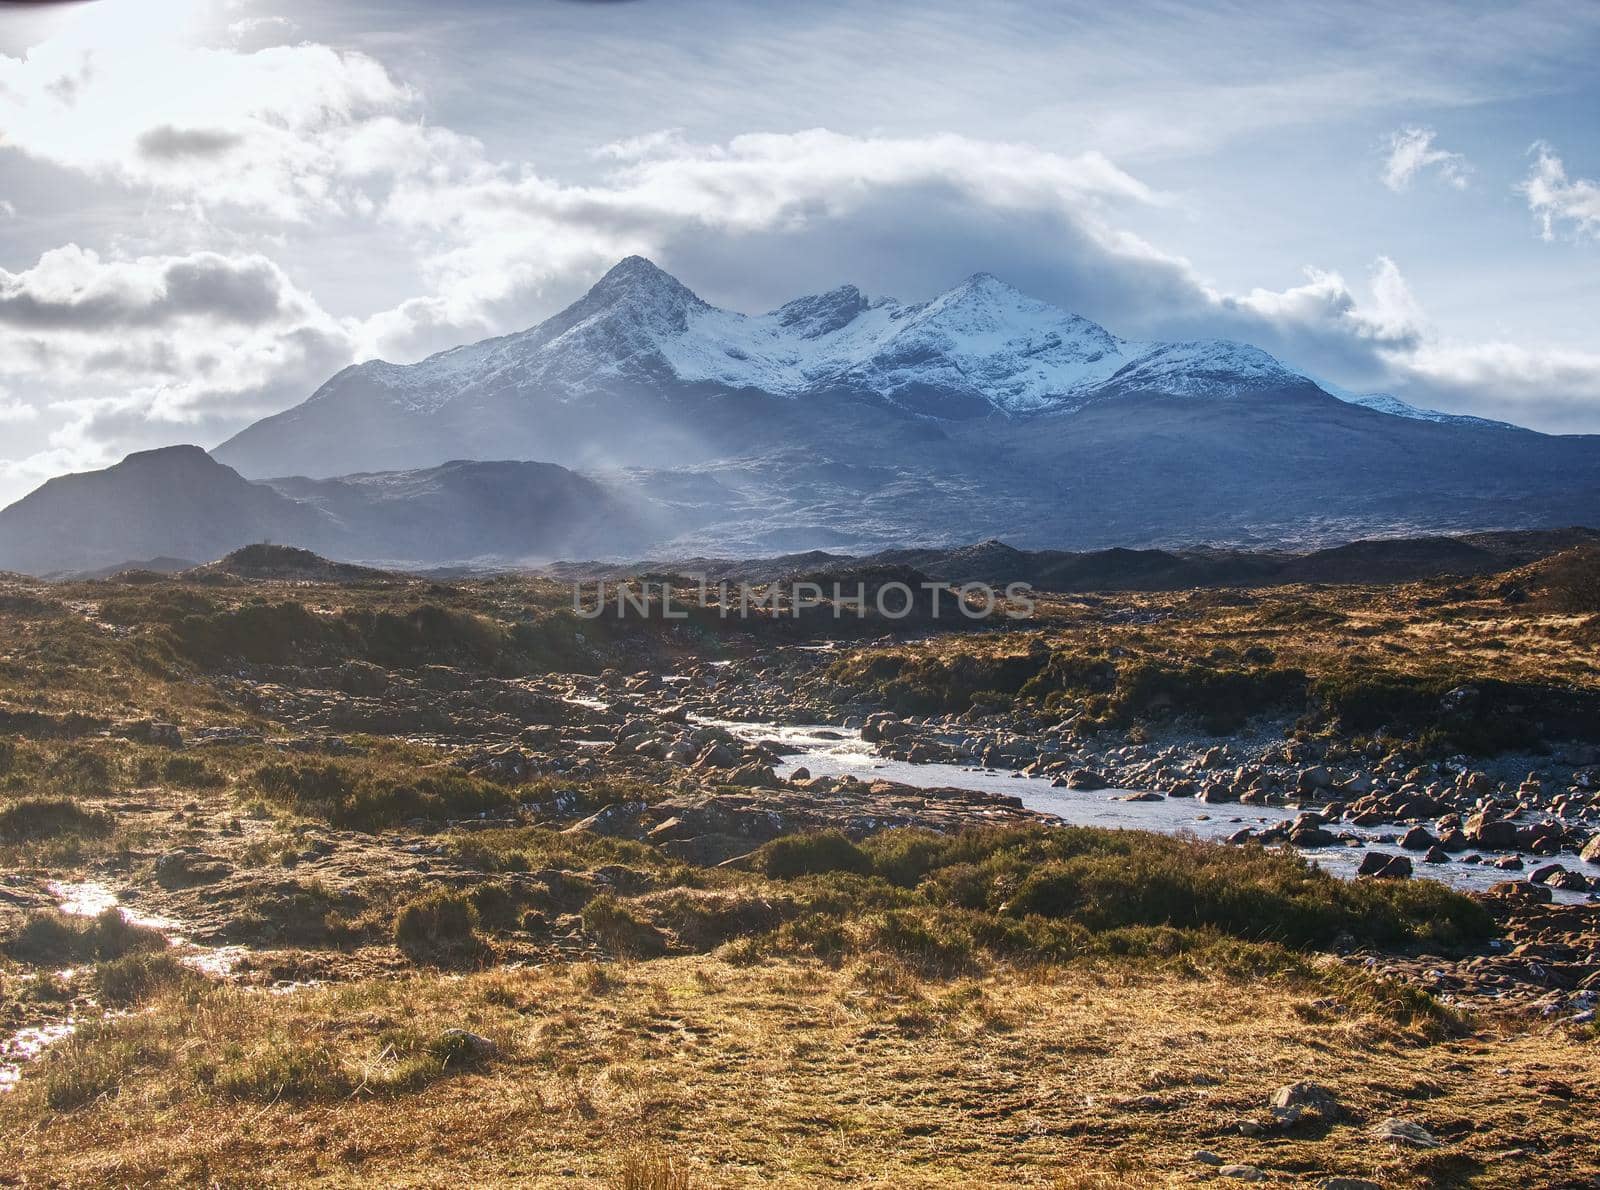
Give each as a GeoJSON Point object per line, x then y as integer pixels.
{"type": "Point", "coordinates": [982, 341]}
{"type": "Point", "coordinates": [1395, 407]}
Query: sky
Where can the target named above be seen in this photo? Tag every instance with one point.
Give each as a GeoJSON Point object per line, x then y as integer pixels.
{"type": "Point", "coordinates": [208, 207]}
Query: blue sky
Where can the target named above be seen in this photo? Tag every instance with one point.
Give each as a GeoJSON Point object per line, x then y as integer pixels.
{"type": "Point", "coordinates": [211, 205]}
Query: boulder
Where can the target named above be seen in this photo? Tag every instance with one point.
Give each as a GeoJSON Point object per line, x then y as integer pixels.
{"type": "Point", "coordinates": [1482, 830]}
{"type": "Point", "coordinates": [1304, 1102]}
{"type": "Point", "coordinates": [1418, 838]}
{"type": "Point", "coordinates": [1405, 1134]}
{"type": "Point", "coordinates": [618, 820]}
{"type": "Point", "coordinates": [1382, 866]}
{"type": "Point", "coordinates": [1521, 890]}
{"type": "Point", "coordinates": [1313, 780]}
{"type": "Point", "coordinates": [186, 867]}
{"type": "Point", "coordinates": [1312, 836]}
{"type": "Point", "coordinates": [1242, 1173]}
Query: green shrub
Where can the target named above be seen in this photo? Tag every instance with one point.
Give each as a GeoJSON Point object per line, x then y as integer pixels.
{"type": "Point", "coordinates": [85, 770]}
{"type": "Point", "coordinates": [613, 924]}
{"type": "Point", "coordinates": [810, 855]}
{"type": "Point", "coordinates": [1098, 881]}
{"type": "Point", "coordinates": [348, 796]}
{"type": "Point", "coordinates": [137, 977]}
{"type": "Point", "coordinates": [191, 772]}
{"type": "Point", "coordinates": [438, 924]}
{"type": "Point", "coordinates": [52, 937]}
{"type": "Point", "coordinates": [48, 818]}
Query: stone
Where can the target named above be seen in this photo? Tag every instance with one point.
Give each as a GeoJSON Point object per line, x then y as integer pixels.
{"type": "Point", "coordinates": [1405, 1134]}
{"type": "Point", "coordinates": [752, 776]}
{"type": "Point", "coordinates": [186, 867]}
{"type": "Point", "coordinates": [1304, 1101]}
{"type": "Point", "coordinates": [1086, 779]}
{"type": "Point", "coordinates": [1382, 866]}
{"type": "Point", "coordinates": [1312, 836]}
{"type": "Point", "coordinates": [1312, 779]}
{"type": "Point", "coordinates": [1418, 838]}
{"type": "Point", "coordinates": [1242, 1173]}
{"type": "Point", "coordinates": [1205, 1157]}
{"type": "Point", "coordinates": [619, 819]}
{"type": "Point", "coordinates": [1521, 890]}
{"type": "Point", "coordinates": [1496, 833]}
{"type": "Point", "coordinates": [1591, 851]}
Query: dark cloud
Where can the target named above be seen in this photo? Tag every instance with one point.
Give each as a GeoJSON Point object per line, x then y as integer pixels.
{"type": "Point", "coordinates": [247, 292]}
{"type": "Point", "coordinates": [105, 296]}
{"type": "Point", "coordinates": [167, 143]}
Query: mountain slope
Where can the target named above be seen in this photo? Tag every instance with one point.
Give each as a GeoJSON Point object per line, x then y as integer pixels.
{"type": "Point", "coordinates": [176, 502]}
{"type": "Point", "coordinates": [641, 371]}
{"type": "Point", "coordinates": [181, 502]}
{"type": "Point", "coordinates": [465, 510]}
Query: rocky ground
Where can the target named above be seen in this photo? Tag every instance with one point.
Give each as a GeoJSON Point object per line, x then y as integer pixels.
{"type": "Point", "coordinates": [358, 818]}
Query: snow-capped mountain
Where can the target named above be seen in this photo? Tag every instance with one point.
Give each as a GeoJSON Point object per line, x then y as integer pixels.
{"type": "Point", "coordinates": [978, 350]}
{"type": "Point", "coordinates": [840, 421]}
{"type": "Point", "coordinates": [983, 343]}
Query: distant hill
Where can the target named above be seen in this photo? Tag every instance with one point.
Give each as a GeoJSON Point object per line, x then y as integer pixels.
{"type": "Point", "coordinates": [180, 503]}
{"type": "Point", "coordinates": [282, 563]}
{"type": "Point", "coordinates": [176, 502]}
{"type": "Point", "coordinates": [1559, 558]}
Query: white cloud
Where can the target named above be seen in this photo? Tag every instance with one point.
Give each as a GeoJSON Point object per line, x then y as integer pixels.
{"type": "Point", "coordinates": [284, 131]}
{"type": "Point", "coordinates": [262, 28]}
{"type": "Point", "coordinates": [506, 238]}
{"type": "Point", "coordinates": [1556, 199]}
{"type": "Point", "coordinates": [1411, 151]}
{"type": "Point", "coordinates": [13, 410]}
{"type": "Point", "coordinates": [119, 349]}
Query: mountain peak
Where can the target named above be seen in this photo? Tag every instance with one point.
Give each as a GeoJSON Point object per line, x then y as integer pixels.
{"type": "Point", "coordinates": [185, 455]}
{"type": "Point", "coordinates": [987, 285]}
{"type": "Point", "coordinates": [635, 275]}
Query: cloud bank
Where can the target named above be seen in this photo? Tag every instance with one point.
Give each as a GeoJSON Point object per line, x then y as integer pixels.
{"type": "Point", "coordinates": [246, 152]}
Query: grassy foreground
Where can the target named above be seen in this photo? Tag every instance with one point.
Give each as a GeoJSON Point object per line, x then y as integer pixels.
{"type": "Point", "coordinates": [700, 1072]}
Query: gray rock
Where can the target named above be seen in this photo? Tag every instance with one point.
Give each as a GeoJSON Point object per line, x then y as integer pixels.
{"type": "Point", "coordinates": [1405, 1134]}
{"type": "Point", "coordinates": [1242, 1173]}
{"type": "Point", "coordinates": [1304, 1101]}
{"type": "Point", "coordinates": [619, 819]}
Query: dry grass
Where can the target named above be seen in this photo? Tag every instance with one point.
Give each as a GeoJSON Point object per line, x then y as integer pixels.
{"type": "Point", "coordinates": [692, 1072]}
